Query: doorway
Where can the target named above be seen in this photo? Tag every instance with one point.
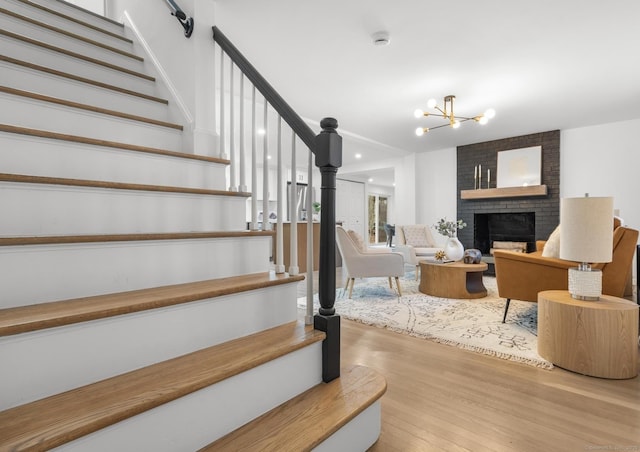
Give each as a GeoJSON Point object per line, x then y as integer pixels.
{"type": "Point", "coordinates": [378, 212]}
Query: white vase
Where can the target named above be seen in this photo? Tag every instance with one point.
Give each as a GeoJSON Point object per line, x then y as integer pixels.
{"type": "Point", "coordinates": [454, 249]}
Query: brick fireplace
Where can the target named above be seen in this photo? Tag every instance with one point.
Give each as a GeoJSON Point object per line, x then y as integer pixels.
{"type": "Point", "coordinates": [542, 211]}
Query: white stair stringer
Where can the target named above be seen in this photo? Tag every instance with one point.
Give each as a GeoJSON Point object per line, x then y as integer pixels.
{"type": "Point", "coordinates": [45, 210]}
{"type": "Point", "coordinates": [33, 113]}
{"type": "Point", "coordinates": [27, 79]}
{"type": "Point", "coordinates": [61, 61]}
{"type": "Point", "coordinates": [127, 60]}
{"type": "Point", "coordinates": [75, 355]}
{"type": "Point", "coordinates": [193, 421]}
{"type": "Point", "coordinates": [66, 22]}
{"type": "Point", "coordinates": [64, 271]}
{"type": "Point", "coordinates": [36, 156]}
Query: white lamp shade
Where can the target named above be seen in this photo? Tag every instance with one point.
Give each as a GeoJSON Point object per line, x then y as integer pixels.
{"type": "Point", "coordinates": [586, 229]}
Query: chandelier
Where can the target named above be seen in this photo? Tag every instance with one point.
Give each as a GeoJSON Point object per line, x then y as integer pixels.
{"type": "Point", "coordinates": [447, 113]}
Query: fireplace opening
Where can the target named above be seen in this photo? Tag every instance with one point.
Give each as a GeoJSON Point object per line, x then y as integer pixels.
{"type": "Point", "coordinates": [504, 227]}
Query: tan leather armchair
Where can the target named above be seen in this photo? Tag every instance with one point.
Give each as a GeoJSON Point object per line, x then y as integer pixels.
{"type": "Point", "coordinates": [521, 276]}
{"type": "Point", "coordinates": [360, 262]}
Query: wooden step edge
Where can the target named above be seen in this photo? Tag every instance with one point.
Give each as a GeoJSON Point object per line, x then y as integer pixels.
{"type": "Point", "coordinates": [45, 180]}
{"type": "Point", "coordinates": [78, 21]}
{"type": "Point", "coordinates": [110, 144]}
{"type": "Point", "coordinates": [77, 78]}
{"type": "Point", "coordinates": [66, 312]}
{"type": "Point", "coordinates": [78, 56]}
{"type": "Point", "coordinates": [139, 237]}
{"type": "Point", "coordinates": [91, 13]}
{"type": "Point", "coordinates": [61, 418]}
{"type": "Point", "coordinates": [69, 34]}
{"type": "Point", "coordinates": [308, 419]}
{"type": "Point", "coordinates": [85, 107]}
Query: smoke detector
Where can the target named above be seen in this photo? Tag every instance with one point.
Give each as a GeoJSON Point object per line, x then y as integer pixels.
{"type": "Point", "coordinates": [381, 38]}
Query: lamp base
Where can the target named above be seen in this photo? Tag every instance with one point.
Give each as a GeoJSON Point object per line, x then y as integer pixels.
{"type": "Point", "coordinates": [585, 284]}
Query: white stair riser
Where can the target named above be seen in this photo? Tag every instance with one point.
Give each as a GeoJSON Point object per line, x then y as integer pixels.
{"type": "Point", "coordinates": [63, 88]}
{"type": "Point", "coordinates": [197, 419]}
{"type": "Point", "coordinates": [40, 273]}
{"type": "Point", "coordinates": [76, 355]}
{"type": "Point", "coordinates": [21, 154]}
{"type": "Point", "coordinates": [69, 43]}
{"type": "Point", "coordinates": [31, 113]}
{"type": "Point", "coordinates": [66, 63]}
{"type": "Point", "coordinates": [85, 16]}
{"type": "Point", "coordinates": [68, 25]}
{"type": "Point", "coordinates": [359, 434]}
{"type": "Point", "coordinates": [38, 209]}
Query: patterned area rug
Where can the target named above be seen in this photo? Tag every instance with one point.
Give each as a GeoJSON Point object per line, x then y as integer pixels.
{"type": "Point", "coordinates": [474, 325]}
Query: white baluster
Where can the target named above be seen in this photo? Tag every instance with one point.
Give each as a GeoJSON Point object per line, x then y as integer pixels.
{"type": "Point", "coordinates": [308, 319]}
{"type": "Point", "coordinates": [293, 212]}
{"type": "Point", "coordinates": [243, 169]}
{"type": "Point", "coordinates": [279, 234]}
{"type": "Point", "coordinates": [232, 141]}
{"type": "Point", "coordinates": [266, 226]}
{"type": "Point", "coordinates": [254, 164]}
{"type": "Point", "coordinates": [222, 150]}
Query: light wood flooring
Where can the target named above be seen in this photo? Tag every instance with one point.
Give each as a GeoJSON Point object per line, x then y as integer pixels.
{"type": "Point", "coordinates": [441, 398]}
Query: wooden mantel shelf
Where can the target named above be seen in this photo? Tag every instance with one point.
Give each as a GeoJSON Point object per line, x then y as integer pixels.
{"type": "Point", "coordinates": [506, 192]}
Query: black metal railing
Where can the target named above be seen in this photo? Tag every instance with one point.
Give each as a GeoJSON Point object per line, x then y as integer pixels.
{"type": "Point", "coordinates": [186, 22]}
{"type": "Point", "coordinates": [327, 148]}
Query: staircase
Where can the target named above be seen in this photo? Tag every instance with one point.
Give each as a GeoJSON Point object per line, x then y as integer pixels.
{"type": "Point", "coordinates": [136, 312]}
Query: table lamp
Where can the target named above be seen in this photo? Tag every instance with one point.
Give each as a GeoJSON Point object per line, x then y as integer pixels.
{"type": "Point", "coordinates": [586, 236]}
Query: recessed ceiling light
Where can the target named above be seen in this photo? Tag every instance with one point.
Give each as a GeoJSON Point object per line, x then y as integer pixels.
{"type": "Point", "coordinates": [261, 131]}
{"type": "Point", "coordinates": [358, 156]}
{"type": "Point", "coordinates": [268, 157]}
{"type": "Point", "coordinates": [371, 179]}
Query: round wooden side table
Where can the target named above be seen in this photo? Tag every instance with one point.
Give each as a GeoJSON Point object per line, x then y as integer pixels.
{"type": "Point", "coordinates": [596, 338]}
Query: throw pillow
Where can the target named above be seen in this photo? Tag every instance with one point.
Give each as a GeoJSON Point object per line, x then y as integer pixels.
{"type": "Point", "coordinates": [358, 240]}
{"type": "Point", "coordinates": [416, 236]}
{"type": "Point", "coordinates": [552, 246]}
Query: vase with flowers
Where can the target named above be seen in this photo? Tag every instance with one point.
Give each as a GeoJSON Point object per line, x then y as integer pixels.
{"type": "Point", "coordinates": [453, 247]}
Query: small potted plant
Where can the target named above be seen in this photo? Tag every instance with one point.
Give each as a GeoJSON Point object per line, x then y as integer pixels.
{"type": "Point", "coordinates": [316, 211]}
{"type": "Point", "coordinates": [452, 248]}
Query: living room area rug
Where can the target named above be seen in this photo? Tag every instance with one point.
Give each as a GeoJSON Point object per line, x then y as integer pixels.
{"type": "Point", "coordinates": [474, 324]}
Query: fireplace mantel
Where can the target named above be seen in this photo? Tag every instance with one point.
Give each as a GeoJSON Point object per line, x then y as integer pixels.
{"type": "Point", "coordinates": [506, 192]}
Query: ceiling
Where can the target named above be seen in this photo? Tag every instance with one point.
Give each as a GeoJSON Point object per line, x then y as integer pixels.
{"type": "Point", "coordinates": [541, 65]}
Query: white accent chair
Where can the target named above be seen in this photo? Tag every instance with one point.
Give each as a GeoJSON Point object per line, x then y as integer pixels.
{"type": "Point", "coordinates": [358, 261]}
{"type": "Point", "coordinates": [415, 243]}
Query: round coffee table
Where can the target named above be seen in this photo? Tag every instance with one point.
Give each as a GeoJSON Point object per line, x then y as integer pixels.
{"type": "Point", "coordinates": [596, 338]}
{"type": "Point", "coordinates": [452, 279]}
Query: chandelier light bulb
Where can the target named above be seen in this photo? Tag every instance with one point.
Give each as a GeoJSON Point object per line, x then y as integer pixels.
{"type": "Point", "coordinates": [483, 120]}
{"type": "Point", "coordinates": [420, 131]}
{"type": "Point", "coordinates": [456, 124]}
{"type": "Point", "coordinates": [490, 113]}
{"type": "Point", "coordinates": [418, 113]}
{"type": "Point", "coordinates": [432, 103]}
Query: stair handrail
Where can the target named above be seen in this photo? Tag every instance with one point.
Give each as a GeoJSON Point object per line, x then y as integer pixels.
{"type": "Point", "coordinates": [327, 148]}
{"type": "Point", "coordinates": [186, 22]}
{"type": "Point", "coordinates": [294, 120]}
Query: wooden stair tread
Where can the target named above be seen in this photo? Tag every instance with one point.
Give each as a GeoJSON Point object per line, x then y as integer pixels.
{"type": "Point", "coordinates": [61, 418]}
{"type": "Point", "coordinates": [88, 81]}
{"type": "Point", "coordinates": [65, 312]}
{"type": "Point", "coordinates": [308, 419]}
{"type": "Point", "coordinates": [95, 238]}
{"type": "Point", "coordinates": [27, 179]}
{"type": "Point", "coordinates": [76, 55]}
{"type": "Point", "coordinates": [111, 144]}
{"type": "Point", "coordinates": [78, 21]}
{"type": "Point", "coordinates": [69, 34]}
{"type": "Point", "coordinates": [86, 107]}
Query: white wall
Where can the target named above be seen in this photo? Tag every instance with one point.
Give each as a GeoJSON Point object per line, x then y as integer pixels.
{"type": "Point", "coordinates": [405, 192]}
{"type": "Point", "coordinates": [96, 6]}
{"type": "Point", "coordinates": [188, 64]}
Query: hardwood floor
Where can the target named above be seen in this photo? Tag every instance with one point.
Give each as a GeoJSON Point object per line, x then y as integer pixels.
{"type": "Point", "coordinates": [441, 398]}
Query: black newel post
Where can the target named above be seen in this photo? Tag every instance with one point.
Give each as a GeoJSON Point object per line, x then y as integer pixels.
{"type": "Point", "coordinates": [328, 160]}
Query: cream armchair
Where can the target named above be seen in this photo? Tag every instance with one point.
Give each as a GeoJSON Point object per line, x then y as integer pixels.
{"type": "Point", "coordinates": [360, 262]}
{"type": "Point", "coordinates": [415, 243]}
